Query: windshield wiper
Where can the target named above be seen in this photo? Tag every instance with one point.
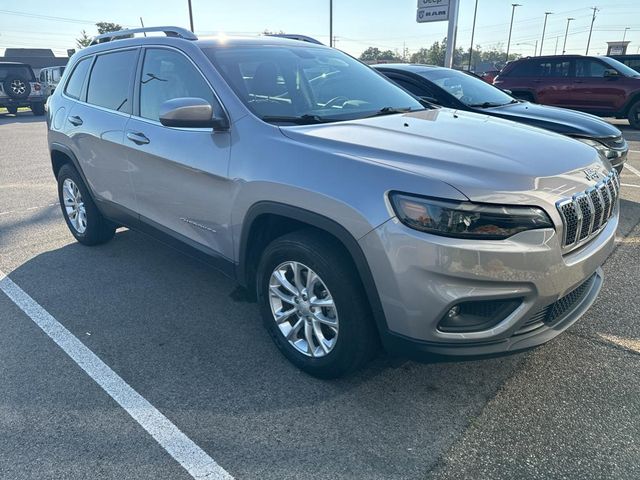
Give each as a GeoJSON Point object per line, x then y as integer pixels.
{"type": "Point", "coordinates": [390, 111]}
{"type": "Point", "coordinates": [488, 105]}
{"type": "Point", "coordinates": [301, 120]}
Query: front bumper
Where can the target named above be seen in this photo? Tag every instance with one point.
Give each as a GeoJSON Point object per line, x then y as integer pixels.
{"type": "Point", "coordinates": [420, 277]}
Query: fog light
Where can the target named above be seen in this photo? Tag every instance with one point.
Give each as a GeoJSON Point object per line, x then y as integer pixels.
{"type": "Point", "coordinates": [453, 312]}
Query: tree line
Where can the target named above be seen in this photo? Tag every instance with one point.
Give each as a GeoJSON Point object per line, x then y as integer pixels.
{"type": "Point", "coordinates": [434, 55]}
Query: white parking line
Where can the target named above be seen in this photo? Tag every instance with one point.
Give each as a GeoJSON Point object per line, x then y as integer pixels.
{"type": "Point", "coordinates": [629, 185]}
{"type": "Point", "coordinates": [177, 444]}
{"type": "Point", "coordinates": [632, 169]}
{"type": "Point", "coordinates": [10, 212]}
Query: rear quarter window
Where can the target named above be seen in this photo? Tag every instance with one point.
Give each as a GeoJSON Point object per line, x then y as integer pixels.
{"type": "Point", "coordinates": [16, 70]}
{"type": "Point", "coordinates": [110, 82]}
{"type": "Point", "coordinates": [76, 80]}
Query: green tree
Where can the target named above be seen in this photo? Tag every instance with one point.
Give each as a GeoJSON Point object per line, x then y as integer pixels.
{"type": "Point", "coordinates": [105, 27]}
{"type": "Point", "coordinates": [83, 40]}
{"type": "Point", "coordinates": [374, 54]}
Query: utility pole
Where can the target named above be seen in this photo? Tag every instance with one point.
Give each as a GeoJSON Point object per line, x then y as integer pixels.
{"type": "Point", "coordinates": [555, 52]}
{"type": "Point", "coordinates": [473, 31]}
{"type": "Point", "coordinates": [452, 31]}
{"type": "Point", "coordinates": [535, 49]}
{"type": "Point", "coordinates": [593, 19]}
{"type": "Point", "coordinates": [513, 11]}
{"type": "Point", "coordinates": [190, 15]}
{"type": "Point", "coordinates": [625, 33]}
{"type": "Point", "coordinates": [544, 28]}
{"type": "Point", "coordinates": [331, 23]}
{"type": "Point", "coordinates": [566, 33]}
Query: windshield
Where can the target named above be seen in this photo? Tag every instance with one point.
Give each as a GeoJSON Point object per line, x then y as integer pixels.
{"type": "Point", "coordinates": [22, 71]}
{"type": "Point", "coordinates": [621, 67]}
{"type": "Point", "coordinates": [282, 84]}
{"type": "Point", "coordinates": [470, 90]}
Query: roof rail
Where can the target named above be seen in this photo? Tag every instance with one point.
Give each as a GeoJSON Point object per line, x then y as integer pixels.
{"type": "Point", "coordinates": [169, 32]}
{"type": "Point", "coordinates": [293, 36]}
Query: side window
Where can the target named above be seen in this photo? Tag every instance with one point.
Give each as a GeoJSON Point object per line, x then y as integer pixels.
{"type": "Point", "coordinates": [110, 80]}
{"type": "Point", "coordinates": [75, 82]}
{"type": "Point", "coordinates": [590, 68]}
{"type": "Point", "coordinates": [43, 76]}
{"type": "Point", "coordinates": [553, 68]}
{"type": "Point", "coordinates": [411, 87]}
{"type": "Point", "coordinates": [167, 74]}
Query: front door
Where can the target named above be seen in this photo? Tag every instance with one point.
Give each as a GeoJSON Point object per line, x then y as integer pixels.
{"type": "Point", "coordinates": [179, 174]}
{"type": "Point", "coordinates": [591, 90]}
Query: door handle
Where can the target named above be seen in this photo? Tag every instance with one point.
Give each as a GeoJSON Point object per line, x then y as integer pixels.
{"type": "Point", "coordinates": [138, 138]}
{"type": "Point", "coordinates": [75, 120]}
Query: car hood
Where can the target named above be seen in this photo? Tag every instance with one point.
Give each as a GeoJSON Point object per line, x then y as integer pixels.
{"type": "Point", "coordinates": [486, 158]}
{"type": "Point", "coordinates": [559, 120]}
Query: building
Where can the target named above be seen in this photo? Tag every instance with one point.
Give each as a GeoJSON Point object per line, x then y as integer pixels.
{"type": "Point", "coordinates": [38, 58]}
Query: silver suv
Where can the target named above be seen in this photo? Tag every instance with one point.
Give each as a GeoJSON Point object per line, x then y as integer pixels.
{"type": "Point", "coordinates": [357, 215]}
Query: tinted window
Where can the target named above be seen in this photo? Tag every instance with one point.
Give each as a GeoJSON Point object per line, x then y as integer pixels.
{"type": "Point", "coordinates": [319, 83]}
{"type": "Point", "coordinates": [109, 83]}
{"type": "Point", "coordinates": [541, 68]}
{"type": "Point", "coordinates": [620, 67]}
{"type": "Point", "coordinates": [75, 82]}
{"type": "Point", "coordinates": [586, 67]}
{"type": "Point", "coordinates": [411, 87]}
{"type": "Point", "coordinates": [166, 75]}
{"type": "Point", "coordinates": [16, 70]}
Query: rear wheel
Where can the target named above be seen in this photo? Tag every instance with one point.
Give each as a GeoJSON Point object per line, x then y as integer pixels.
{"type": "Point", "coordinates": [12, 110]}
{"type": "Point", "coordinates": [83, 218]}
{"type": "Point", "coordinates": [634, 115]}
{"type": "Point", "coordinates": [313, 305]}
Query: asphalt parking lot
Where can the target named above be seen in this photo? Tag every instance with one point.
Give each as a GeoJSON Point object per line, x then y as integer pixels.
{"type": "Point", "coordinates": [177, 334]}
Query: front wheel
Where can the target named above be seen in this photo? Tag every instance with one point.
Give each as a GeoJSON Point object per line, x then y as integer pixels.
{"type": "Point", "coordinates": [83, 218]}
{"type": "Point", "coordinates": [12, 110]}
{"type": "Point", "coordinates": [313, 305]}
{"type": "Point", "coordinates": [38, 109]}
{"type": "Point", "coordinates": [634, 115]}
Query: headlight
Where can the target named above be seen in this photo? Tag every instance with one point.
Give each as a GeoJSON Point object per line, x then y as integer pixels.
{"type": "Point", "coordinates": [600, 147]}
{"type": "Point", "coordinates": [466, 219]}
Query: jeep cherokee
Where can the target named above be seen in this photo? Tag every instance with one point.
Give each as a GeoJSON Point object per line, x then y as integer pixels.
{"type": "Point", "coordinates": [355, 214]}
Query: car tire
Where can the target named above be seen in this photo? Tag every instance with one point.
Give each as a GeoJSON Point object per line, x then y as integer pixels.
{"type": "Point", "coordinates": [345, 337]}
{"type": "Point", "coordinates": [12, 110]}
{"type": "Point", "coordinates": [634, 115]}
{"type": "Point", "coordinates": [37, 109]}
{"type": "Point", "coordinates": [83, 218]}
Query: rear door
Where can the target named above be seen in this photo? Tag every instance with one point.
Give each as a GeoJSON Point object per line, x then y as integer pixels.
{"type": "Point", "coordinates": [96, 122]}
{"type": "Point", "coordinates": [179, 174]}
{"type": "Point", "coordinates": [552, 81]}
{"type": "Point", "coordinates": [591, 90]}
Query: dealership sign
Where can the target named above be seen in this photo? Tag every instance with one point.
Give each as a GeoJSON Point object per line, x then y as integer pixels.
{"type": "Point", "coordinates": [432, 11]}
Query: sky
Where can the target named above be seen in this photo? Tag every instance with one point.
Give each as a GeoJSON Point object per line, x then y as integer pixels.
{"type": "Point", "coordinates": [358, 24]}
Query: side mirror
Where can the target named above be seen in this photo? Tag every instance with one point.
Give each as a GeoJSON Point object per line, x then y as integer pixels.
{"type": "Point", "coordinates": [190, 112]}
{"type": "Point", "coordinates": [610, 72]}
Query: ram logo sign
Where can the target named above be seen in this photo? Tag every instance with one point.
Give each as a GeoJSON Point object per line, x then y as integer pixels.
{"type": "Point", "coordinates": [432, 11]}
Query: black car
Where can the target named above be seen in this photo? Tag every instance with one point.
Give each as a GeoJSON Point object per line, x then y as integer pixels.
{"type": "Point", "coordinates": [464, 91]}
{"type": "Point", "coordinates": [632, 61]}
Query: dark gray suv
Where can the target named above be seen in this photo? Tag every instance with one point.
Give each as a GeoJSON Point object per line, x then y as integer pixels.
{"type": "Point", "coordinates": [355, 214]}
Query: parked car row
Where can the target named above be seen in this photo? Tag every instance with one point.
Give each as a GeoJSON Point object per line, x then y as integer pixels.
{"type": "Point", "coordinates": [354, 212]}
{"type": "Point", "coordinates": [598, 85]}
{"type": "Point", "coordinates": [464, 91]}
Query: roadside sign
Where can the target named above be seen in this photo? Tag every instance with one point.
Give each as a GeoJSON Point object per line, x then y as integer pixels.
{"type": "Point", "coordinates": [432, 11]}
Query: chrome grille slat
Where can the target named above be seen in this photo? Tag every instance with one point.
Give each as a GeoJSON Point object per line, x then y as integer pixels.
{"type": "Point", "coordinates": [586, 213]}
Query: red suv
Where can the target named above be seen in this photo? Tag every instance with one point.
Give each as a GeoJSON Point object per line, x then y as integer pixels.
{"type": "Point", "coordinates": [598, 85]}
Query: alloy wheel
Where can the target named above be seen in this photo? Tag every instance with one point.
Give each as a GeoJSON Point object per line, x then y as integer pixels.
{"type": "Point", "coordinates": [303, 309]}
{"type": "Point", "coordinates": [18, 87]}
{"type": "Point", "coordinates": [74, 205]}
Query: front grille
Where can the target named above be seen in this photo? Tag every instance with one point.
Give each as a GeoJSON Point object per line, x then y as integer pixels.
{"type": "Point", "coordinates": [551, 313]}
{"type": "Point", "coordinates": [587, 212]}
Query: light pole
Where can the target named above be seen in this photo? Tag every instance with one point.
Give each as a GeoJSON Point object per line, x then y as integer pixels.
{"type": "Point", "coordinates": [625, 33]}
{"type": "Point", "coordinates": [593, 19]}
{"type": "Point", "coordinates": [331, 23]}
{"type": "Point", "coordinates": [544, 28]}
{"type": "Point", "coordinates": [564, 46]}
{"type": "Point", "coordinates": [190, 15]}
{"type": "Point", "coordinates": [473, 31]}
{"type": "Point", "coordinates": [513, 11]}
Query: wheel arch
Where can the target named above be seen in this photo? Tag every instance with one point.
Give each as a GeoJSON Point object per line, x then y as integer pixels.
{"type": "Point", "coordinates": [258, 232]}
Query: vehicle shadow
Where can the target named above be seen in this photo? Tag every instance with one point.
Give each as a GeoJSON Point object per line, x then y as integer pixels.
{"type": "Point", "coordinates": [20, 117]}
{"type": "Point", "coordinates": [171, 327]}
